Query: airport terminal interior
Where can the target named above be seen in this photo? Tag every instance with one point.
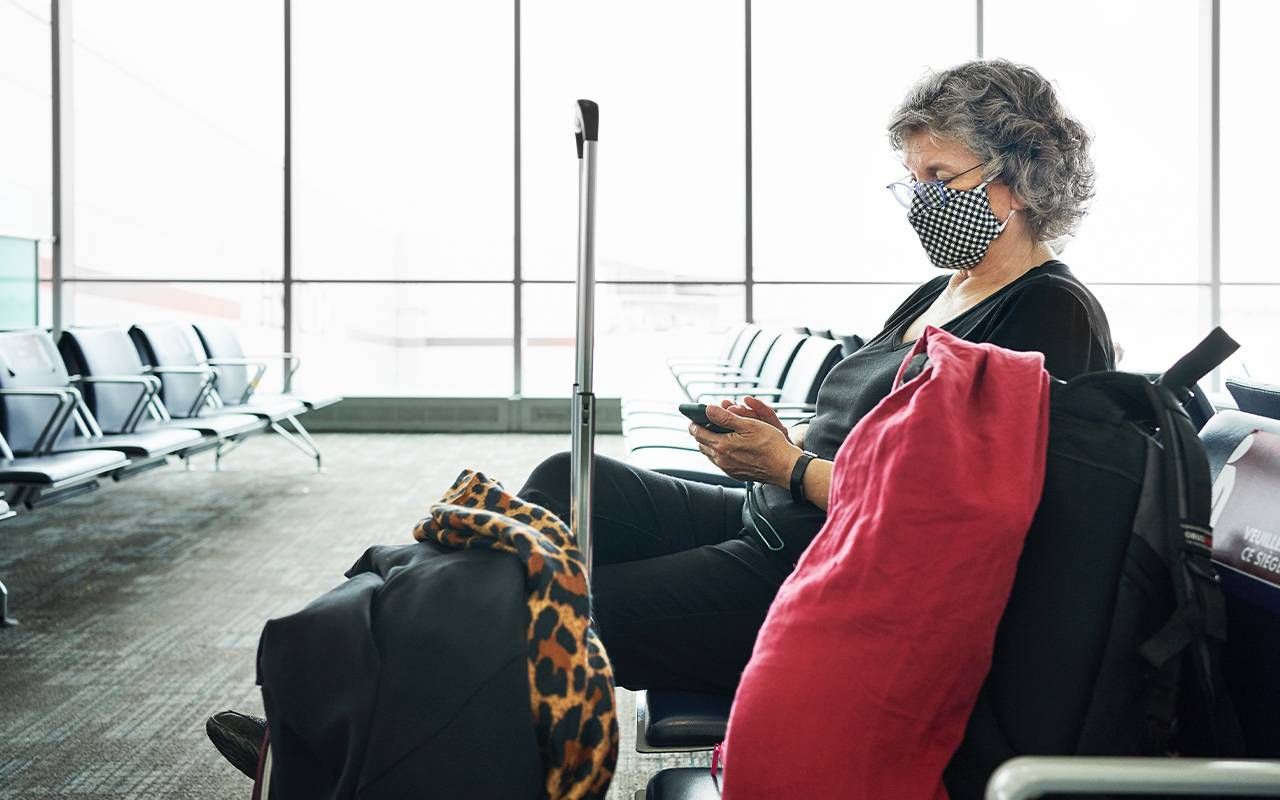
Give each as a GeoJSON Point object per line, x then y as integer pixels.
{"type": "Point", "coordinates": [669, 400]}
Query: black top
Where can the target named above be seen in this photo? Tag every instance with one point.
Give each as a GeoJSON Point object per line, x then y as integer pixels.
{"type": "Point", "coordinates": [1046, 309]}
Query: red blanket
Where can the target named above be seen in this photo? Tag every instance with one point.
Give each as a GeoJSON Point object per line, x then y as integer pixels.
{"type": "Point", "coordinates": [872, 655]}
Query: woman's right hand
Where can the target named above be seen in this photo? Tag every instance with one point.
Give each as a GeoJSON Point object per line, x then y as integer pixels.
{"type": "Point", "coordinates": [755, 408]}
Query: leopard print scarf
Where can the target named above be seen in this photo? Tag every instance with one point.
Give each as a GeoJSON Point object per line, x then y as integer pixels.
{"type": "Point", "coordinates": [570, 686]}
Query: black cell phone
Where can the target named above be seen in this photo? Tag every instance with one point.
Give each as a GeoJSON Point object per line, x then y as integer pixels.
{"type": "Point", "coordinates": [698, 413]}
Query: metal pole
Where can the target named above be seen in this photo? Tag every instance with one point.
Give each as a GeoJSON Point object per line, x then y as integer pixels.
{"type": "Point", "coordinates": [517, 276]}
{"type": "Point", "coordinates": [749, 262]}
{"type": "Point", "coordinates": [63, 150]}
{"type": "Point", "coordinates": [584, 401]}
{"type": "Point", "coordinates": [287, 267]}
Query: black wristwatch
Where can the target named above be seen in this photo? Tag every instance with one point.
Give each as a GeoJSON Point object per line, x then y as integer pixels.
{"type": "Point", "coordinates": [797, 475]}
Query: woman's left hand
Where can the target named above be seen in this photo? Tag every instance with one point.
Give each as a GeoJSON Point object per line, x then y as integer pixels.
{"type": "Point", "coordinates": [752, 451]}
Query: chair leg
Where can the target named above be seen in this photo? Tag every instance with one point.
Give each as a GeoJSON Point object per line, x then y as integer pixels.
{"type": "Point", "coordinates": [301, 439]}
{"type": "Point", "coordinates": [6, 621]}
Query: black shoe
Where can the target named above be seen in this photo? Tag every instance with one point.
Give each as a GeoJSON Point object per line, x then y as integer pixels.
{"type": "Point", "coordinates": [238, 737]}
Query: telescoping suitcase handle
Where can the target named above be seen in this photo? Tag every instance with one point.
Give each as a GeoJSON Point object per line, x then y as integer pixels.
{"type": "Point", "coordinates": [586, 132]}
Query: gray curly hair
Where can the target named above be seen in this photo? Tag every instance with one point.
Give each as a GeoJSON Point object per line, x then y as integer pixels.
{"type": "Point", "coordinates": [1009, 115]}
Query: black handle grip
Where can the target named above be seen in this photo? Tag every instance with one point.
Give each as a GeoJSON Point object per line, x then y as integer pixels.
{"type": "Point", "coordinates": [1212, 351]}
{"type": "Point", "coordinates": [587, 127]}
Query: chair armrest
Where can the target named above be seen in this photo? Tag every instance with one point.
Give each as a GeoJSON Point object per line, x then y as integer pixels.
{"type": "Point", "coordinates": [210, 379]}
{"type": "Point", "coordinates": [150, 380]}
{"type": "Point", "coordinates": [711, 371]}
{"type": "Point", "coordinates": [235, 362]}
{"type": "Point", "coordinates": [772, 392]}
{"type": "Point", "coordinates": [67, 399]}
{"type": "Point", "coordinates": [180, 370]}
{"type": "Point", "coordinates": [1034, 776]}
{"type": "Point", "coordinates": [150, 388]}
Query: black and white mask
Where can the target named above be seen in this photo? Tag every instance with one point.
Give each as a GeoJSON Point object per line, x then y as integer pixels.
{"type": "Point", "coordinates": [957, 233]}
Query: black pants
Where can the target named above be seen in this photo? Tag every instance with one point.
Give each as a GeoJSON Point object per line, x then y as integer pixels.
{"type": "Point", "coordinates": [679, 588]}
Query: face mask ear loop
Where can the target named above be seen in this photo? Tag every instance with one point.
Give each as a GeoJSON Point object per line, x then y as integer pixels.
{"type": "Point", "coordinates": [1005, 224]}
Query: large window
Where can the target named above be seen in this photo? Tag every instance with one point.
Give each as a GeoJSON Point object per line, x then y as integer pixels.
{"type": "Point", "coordinates": [178, 131]}
{"type": "Point", "coordinates": [1140, 96]}
{"type": "Point", "coordinates": [434, 210]}
{"type": "Point", "coordinates": [1250, 261]}
{"type": "Point", "coordinates": [826, 75]}
{"type": "Point", "coordinates": [25, 134]}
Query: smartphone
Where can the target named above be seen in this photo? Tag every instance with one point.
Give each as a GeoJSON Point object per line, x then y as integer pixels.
{"type": "Point", "coordinates": [698, 413]}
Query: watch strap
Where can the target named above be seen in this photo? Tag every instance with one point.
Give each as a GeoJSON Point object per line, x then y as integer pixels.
{"type": "Point", "coordinates": [797, 475]}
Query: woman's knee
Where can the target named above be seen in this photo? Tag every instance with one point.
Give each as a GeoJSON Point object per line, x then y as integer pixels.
{"type": "Point", "coordinates": [550, 478]}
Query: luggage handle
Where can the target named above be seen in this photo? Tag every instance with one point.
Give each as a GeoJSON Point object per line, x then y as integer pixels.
{"type": "Point", "coordinates": [1203, 359]}
{"type": "Point", "coordinates": [587, 123]}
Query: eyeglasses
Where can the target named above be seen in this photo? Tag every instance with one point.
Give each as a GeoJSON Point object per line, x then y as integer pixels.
{"type": "Point", "coordinates": [930, 193]}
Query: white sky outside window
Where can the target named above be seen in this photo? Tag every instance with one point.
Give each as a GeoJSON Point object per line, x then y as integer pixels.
{"type": "Point", "coordinates": [668, 76]}
{"type": "Point", "coordinates": [826, 76]}
{"type": "Point", "coordinates": [1249, 117]}
{"type": "Point", "coordinates": [382, 339]}
{"type": "Point", "coordinates": [178, 139]}
{"type": "Point", "coordinates": [403, 139]}
{"type": "Point", "coordinates": [25, 146]}
{"type": "Point", "coordinates": [1130, 72]}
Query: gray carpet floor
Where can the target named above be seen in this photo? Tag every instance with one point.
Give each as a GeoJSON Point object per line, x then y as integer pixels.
{"type": "Point", "coordinates": [141, 603]}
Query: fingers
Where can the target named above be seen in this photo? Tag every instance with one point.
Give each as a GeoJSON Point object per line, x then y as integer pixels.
{"type": "Point", "coordinates": [721, 416]}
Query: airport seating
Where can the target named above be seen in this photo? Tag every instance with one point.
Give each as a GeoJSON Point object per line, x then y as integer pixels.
{"type": "Point", "coordinates": [189, 385]}
{"type": "Point", "coordinates": [46, 415]}
{"type": "Point", "coordinates": [1253, 397]}
{"type": "Point", "coordinates": [125, 397]}
{"type": "Point", "coordinates": [670, 721]}
{"type": "Point", "coordinates": [707, 378]}
{"type": "Point", "coordinates": [793, 400]}
{"type": "Point", "coordinates": [731, 356]}
{"type": "Point", "coordinates": [6, 621]}
{"type": "Point", "coordinates": [226, 355]}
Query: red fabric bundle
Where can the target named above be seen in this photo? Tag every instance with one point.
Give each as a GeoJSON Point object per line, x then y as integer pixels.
{"type": "Point", "coordinates": [869, 663]}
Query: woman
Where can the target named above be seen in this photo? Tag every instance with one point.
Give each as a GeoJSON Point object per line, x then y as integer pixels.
{"type": "Point", "coordinates": [998, 169]}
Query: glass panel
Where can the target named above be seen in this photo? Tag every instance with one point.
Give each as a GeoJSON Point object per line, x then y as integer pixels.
{"type": "Point", "coordinates": [255, 310]}
{"type": "Point", "coordinates": [826, 75]}
{"type": "Point", "coordinates": [452, 340]}
{"type": "Point", "coordinates": [26, 164]}
{"type": "Point", "coordinates": [1153, 326]}
{"type": "Point", "coordinates": [847, 309]}
{"type": "Point", "coordinates": [1247, 78]}
{"type": "Point", "coordinates": [637, 329]}
{"type": "Point", "coordinates": [17, 283]}
{"type": "Point", "coordinates": [1141, 103]}
{"type": "Point", "coordinates": [179, 139]}
{"type": "Point", "coordinates": [669, 80]}
{"type": "Point", "coordinates": [404, 140]}
{"type": "Point", "coordinates": [1249, 315]}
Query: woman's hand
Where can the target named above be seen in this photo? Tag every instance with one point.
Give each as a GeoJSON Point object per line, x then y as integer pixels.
{"type": "Point", "coordinates": [753, 450]}
{"type": "Point", "coordinates": [755, 408]}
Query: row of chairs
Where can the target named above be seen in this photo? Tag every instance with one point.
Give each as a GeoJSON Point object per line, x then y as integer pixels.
{"type": "Point", "coordinates": [114, 402]}
{"type": "Point", "coordinates": [783, 367]}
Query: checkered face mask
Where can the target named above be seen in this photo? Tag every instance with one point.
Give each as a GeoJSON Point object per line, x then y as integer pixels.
{"type": "Point", "coordinates": [957, 234]}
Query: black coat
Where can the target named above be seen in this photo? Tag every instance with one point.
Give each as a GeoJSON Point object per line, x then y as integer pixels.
{"type": "Point", "coordinates": [408, 680]}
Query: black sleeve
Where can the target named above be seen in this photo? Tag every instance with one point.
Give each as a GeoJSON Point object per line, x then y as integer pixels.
{"type": "Point", "coordinates": [1050, 319]}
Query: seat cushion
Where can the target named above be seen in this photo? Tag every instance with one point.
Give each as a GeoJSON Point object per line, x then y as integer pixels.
{"type": "Point", "coordinates": [143, 444]}
{"type": "Point", "coordinates": [685, 783]}
{"type": "Point", "coordinates": [311, 401]}
{"type": "Point", "coordinates": [272, 408]}
{"type": "Point", "coordinates": [223, 426]}
{"type": "Point", "coordinates": [685, 719]}
{"type": "Point", "coordinates": [60, 468]}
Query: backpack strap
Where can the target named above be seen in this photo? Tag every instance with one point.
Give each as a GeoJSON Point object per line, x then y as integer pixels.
{"type": "Point", "coordinates": [1198, 626]}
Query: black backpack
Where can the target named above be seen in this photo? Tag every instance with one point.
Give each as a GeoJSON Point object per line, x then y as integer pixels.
{"type": "Point", "coordinates": [1111, 639]}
